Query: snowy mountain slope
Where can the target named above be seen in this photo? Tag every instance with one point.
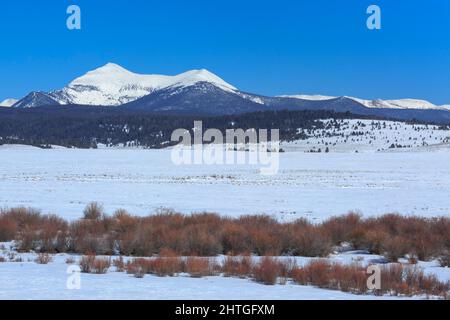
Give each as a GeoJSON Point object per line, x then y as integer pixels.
{"type": "Point", "coordinates": [201, 98]}
{"type": "Point", "coordinates": [362, 135]}
{"type": "Point", "coordinates": [8, 102]}
{"type": "Point", "coordinates": [36, 99]}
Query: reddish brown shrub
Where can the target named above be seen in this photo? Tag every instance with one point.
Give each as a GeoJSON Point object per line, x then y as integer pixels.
{"type": "Point", "coordinates": [235, 239]}
{"type": "Point", "coordinates": [304, 239]}
{"type": "Point", "coordinates": [168, 266]}
{"type": "Point", "coordinates": [169, 233]}
{"type": "Point", "coordinates": [200, 267]}
{"type": "Point", "coordinates": [237, 266]}
{"type": "Point", "coordinates": [341, 229]}
{"type": "Point", "coordinates": [8, 229]}
{"type": "Point", "coordinates": [101, 265]}
{"type": "Point", "coordinates": [267, 271]}
{"type": "Point", "coordinates": [395, 248]}
{"type": "Point", "coordinates": [318, 273]}
{"type": "Point", "coordinates": [119, 263]}
{"type": "Point", "coordinates": [137, 267]}
{"type": "Point", "coordinates": [399, 280]}
{"type": "Point", "coordinates": [92, 264]}
{"type": "Point", "coordinates": [87, 263]}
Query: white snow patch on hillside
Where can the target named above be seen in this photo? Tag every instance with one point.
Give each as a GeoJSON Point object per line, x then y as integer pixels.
{"type": "Point", "coordinates": [316, 97]}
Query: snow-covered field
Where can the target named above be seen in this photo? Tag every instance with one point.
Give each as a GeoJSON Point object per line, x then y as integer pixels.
{"type": "Point", "coordinates": [29, 280]}
{"type": "Point", "coordinates": [310, 185]}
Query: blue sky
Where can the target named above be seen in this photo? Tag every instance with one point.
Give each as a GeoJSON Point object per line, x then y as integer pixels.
{"type": "Point", "coordinates": [267, 47]}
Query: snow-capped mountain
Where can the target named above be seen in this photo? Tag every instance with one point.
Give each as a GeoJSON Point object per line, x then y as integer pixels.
{"type": "Point", "coordinates": [112, 85]}
{"type": "Point", "coordinates": [202, 92]}
{"type": "Point", "coordinates": [8, 102]}
{"type": "Point", "coordinates": [378, 103]}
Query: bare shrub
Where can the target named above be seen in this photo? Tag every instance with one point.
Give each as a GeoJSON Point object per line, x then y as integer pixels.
{"type": "Point", "coordinates": [399, 280]}
{"type": "Point", "coordinates": [396, 279]}
{"type": "Point", "coordinates": [43, 258]}
{"type": "Point", "coordinates": [119, 263]}
{"type": "Point", "coordinates": [169, 233]}
{"type": "Point", "coordinates": [340, 229]}
{"type": "Point", "coordinates": [93, 211]}
{"type": "Point", "coordinates": [70, 260]}
{"type": "Point", "coordinates": [101, 265]}
{"type": "Point", "coordinates": [135, 268]}
{"type": "Point", "coordinates": [167, 266]}
{"type": "Point", "coordinates": [86, 263]}
{"type": "Point", "coordinates": [394, 248]}
{"type": "Point", "coordinates": [444, 259]}
{"type": "Point", "coordinates": [304, 239]}
{"type": "Point", "coordinates": [199, 267]}
{"type": "Point", "coordinates": [237, 266]}
{"type": "Point", "coordinates": [267, 271]}
{"type": "Point", "coordinates": [8, 229]}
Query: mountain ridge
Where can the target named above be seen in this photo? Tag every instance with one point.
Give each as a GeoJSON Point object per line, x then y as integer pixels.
{"type": "Point", "coordinates": [202, 92]}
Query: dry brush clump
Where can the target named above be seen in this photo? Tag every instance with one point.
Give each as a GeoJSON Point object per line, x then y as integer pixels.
{"type": "Point", "coordinates": [444, 259]}
{"type": "Point", "coordinates": [207, 234]}
{"type": "Point", "coordinates": [329, 275]}
{"type": "Point", "coordinates": [161, 266]}
{"type": "Point", "coordinates": [267, 271]}
{"type": "Point", "coordinates": [200, 267]}
{"type": "Point", "coordinates": [92, 264]}
{"type": "Point", "coordinates": [43, 258]}
{"type": "Point", "coordinates": [396, 279]}
{"type": "Point", "coordinates": [32, 230]}
{"type": "Point", "coordinates": [234, 266]}
{"type": "Point", "coordinates": [119, 264]}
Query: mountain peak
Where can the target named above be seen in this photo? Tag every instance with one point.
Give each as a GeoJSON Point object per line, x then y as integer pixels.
{"type": "Point", "coordinates": [109, 68]}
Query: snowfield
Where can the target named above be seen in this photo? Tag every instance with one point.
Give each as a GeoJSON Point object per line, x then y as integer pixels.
{"type": "Point", "coordinates": [378, 179]}
{"type": "Point", "coordinates": [311, 185]}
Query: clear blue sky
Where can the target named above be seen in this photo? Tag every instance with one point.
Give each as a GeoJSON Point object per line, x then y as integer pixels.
{"type": "Point", "coordinates": [268, 47]}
